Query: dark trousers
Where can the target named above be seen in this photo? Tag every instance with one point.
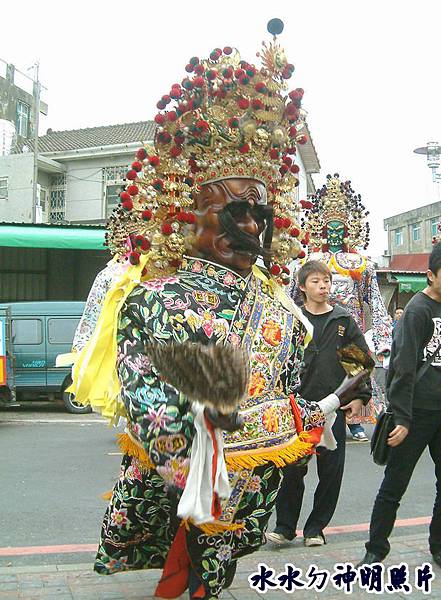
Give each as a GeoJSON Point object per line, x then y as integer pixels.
{"type": "Point", "coordinates": [330, 467]}
{"type": "Point", "coordinates": [425, 431]}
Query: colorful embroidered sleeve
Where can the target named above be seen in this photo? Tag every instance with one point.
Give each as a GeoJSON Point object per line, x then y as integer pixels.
{"type": "Point", "coordinates": [94, 304]}
{"type": "Point", "coordinates": [159, 416]}
{"type": "Point", "coordinates": [381, 321]}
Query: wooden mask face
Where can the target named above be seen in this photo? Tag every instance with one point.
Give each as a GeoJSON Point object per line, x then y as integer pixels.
{"type": "Point", "coordinates": [238, 246]}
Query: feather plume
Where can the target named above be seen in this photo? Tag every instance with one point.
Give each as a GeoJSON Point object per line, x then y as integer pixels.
{"type": "Point", "coordinates": [216, 376]}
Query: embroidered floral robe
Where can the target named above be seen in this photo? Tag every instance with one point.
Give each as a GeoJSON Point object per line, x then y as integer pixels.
{"type": "Point", "coordinates": [209, 304]}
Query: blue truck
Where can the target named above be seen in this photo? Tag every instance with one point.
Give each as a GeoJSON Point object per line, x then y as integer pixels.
{"type": "Point", "coordinates": [38, 333]}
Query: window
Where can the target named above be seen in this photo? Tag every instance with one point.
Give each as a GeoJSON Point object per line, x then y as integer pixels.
{"type": "Point", "coordinates": [57, 204]}
{"type": "Point", "coordinates": [43, 198]}
{"type": "Point", "coordinates": [112, 197]}
{"type": "Point", "coordinates": [22, 120]}
{"type": "Point", "coordinates": [398, 237]}
{"type": "Point", "coordinates": [26, 331]}
{"type": "Point", "coordinates": [416, 232]}
{"type": "Point", "coordinates": [3, 188]}
{"type": "Point", "coordinates": [434, 223]}
{"type": "Point", "coordinates": [113, 184]}
{"type": "Point", "coordinates": [61, 331]}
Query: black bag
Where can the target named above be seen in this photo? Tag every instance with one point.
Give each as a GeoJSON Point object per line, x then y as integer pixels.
{"type": "Point", "coordinates": [385, 422]}
{"type": "Point", "coordinates": [379, 447]}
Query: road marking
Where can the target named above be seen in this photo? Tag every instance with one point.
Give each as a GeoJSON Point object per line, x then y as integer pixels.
{"type": "Point", "coordinates": [77, 548]}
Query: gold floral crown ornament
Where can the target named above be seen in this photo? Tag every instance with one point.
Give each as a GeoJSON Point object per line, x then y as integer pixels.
{"type": "Point", "coordinates": [226, 119]}
{"type": "Point", "coordinates": [336, 201]}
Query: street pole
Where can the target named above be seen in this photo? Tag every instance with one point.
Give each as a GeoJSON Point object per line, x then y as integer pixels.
{"type": "Point", "coordinates": [36, 93]}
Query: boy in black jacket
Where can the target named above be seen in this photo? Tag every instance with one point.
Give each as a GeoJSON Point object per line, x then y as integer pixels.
{"type": "Point", "coordinates": [416, 406]}
{"type": "Point", "coordinates": [333, 329]}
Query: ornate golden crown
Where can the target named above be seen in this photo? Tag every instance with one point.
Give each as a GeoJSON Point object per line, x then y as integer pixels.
{"type": "Point", "coordinates": [226, 119]}
{"type": "Point", "coordinates": [337, 201]}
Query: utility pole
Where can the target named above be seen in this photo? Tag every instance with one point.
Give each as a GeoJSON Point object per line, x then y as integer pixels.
{"type": "Point", "coordinates": [36, 94]}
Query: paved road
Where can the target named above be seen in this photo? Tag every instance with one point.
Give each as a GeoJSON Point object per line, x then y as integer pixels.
{"type": "Point", "coordinates": [54, 467]}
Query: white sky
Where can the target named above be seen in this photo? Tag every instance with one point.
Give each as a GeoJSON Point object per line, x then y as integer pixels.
{"type": "Point", "coordinates": [370, 70]}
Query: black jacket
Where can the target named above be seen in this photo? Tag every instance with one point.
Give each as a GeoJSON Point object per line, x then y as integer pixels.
{"type": "Point", "coordinates": [323, 372]}
{"type": "Point", "coordinates": [417, 332]}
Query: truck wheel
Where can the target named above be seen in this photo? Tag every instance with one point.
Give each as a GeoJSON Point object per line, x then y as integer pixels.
{"type": "Point", "coordinates": [5, 395]}
{"type": "Point", "coordinates": [69, 401]}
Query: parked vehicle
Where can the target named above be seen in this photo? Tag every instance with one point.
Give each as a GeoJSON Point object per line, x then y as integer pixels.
{"type": "Point", "coordinates": [41, 331]}
{"type": "Point", "coordinates": [7, 371]}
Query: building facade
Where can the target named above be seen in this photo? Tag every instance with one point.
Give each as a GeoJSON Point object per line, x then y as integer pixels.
{"type": "Point", "coordinates": [412, 232]}
{"type": "Point", "coordinates": [17, 104]}
{"type": "Point", "coordinates": [410, 237]}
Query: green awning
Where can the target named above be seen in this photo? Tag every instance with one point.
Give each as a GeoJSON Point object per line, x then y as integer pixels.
{"type": "Point", "coordinates": [48, 236]}
{"type": "Point", "coordinates": [410, 282]}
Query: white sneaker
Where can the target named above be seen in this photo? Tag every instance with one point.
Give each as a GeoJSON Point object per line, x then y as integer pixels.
{"type": "Point", "coordinates": [360, 436]}
{"type": "Point", "coordinates": [316, 540]}
{"type": "Point", "coordinates": [277, 538]}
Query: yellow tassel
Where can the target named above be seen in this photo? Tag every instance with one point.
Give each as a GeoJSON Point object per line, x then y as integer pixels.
{"type": "Point", "coordinates": [212, 528]}
{"type": "Point", "coordinates": [280, 455]}
{"type": "Point", "coordinates": [216, 527]}
{"type": "Point", "coordinates": [131, 448]}
{"type": "Point", "coordinates": [95, 379]}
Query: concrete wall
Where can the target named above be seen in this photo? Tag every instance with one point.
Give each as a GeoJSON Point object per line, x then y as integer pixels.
{"type": "Point", "coordinates": [85, 200]}
{"type": "Point", "coordinates": [18, 168]}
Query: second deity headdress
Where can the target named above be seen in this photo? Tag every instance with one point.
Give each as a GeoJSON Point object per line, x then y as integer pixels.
{"type": "Point", "coordinates": [337, 201]}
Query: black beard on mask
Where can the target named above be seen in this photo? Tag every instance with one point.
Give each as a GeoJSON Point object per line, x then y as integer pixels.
{"type": "Point", "coordinates": [246, 242]}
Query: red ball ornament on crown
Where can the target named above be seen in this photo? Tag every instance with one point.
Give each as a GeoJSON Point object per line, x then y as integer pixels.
{"type": "Point", "coordinates": [167, 229]}
{"type": "Point", "coordinates": [153, 161]}
{"type": "Point", "coordinates": [243, 103]}
{"type": "Point", "coordinates": [142, 242]}
{"type": "Point", "coordinates": [131, 175]}
{"type": "Point", "coordinates": [127, 205]}
{"type": "Point", "coordinates": [294, 232]}
{"type": "Point", "coordinates": [134, 258]}
{"type": "Point", "coordinates": [175, 151]}
{"type": "Point", "coordinates": [124, 196]}
{"type": "Point", "coordinates": [275, 270]}
{"type": "Point", "coordinates": [198, 82]}
{"type": "Point", "coordinates": [133, 190]}
{"type": "Point", "coordinates": [306, 204]}
{"type": "Point", "coordinates": [141, 154]}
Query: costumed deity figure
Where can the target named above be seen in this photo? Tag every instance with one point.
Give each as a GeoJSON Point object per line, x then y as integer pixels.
{"type": "Point", "coordinates": [193, 329]}
{"type": "Point", "coordinates": [94, 303]}
{"type": "Point", "coordinates": [89, 318]}
{"type": "Point", "coordinates": [337, 233]}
